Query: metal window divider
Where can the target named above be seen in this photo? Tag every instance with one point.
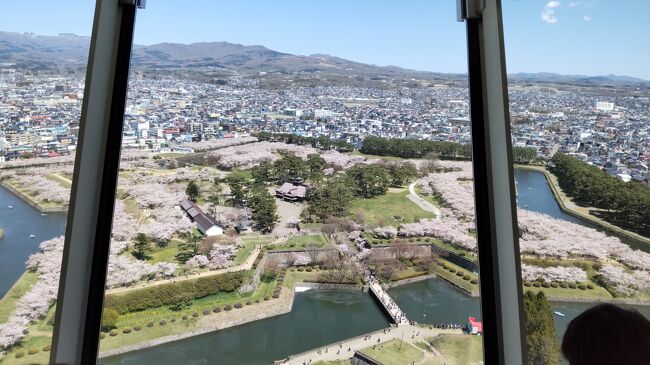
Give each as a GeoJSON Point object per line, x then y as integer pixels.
{"type": "Point", "coordinates": [90, 214]}
{"type": "Point", "coordinates": [496, 215]}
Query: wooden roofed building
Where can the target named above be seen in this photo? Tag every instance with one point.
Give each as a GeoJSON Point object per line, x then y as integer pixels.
{"type": "Point", "coordinates": [206, 224]}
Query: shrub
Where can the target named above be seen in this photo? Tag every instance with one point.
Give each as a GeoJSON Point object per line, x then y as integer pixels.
{"type": "Point", "coordinates": [257, 300]}
{"type": "Point", "coordinates": [528, 284]}
{"type": "Point", "coordinates": [137, 328]}
{"type": "Point", "coordinates": [452, 270]}
{"type": "Point", "coordinates": [564, 285]}
{"type": "Point", "coordinates": [32, 351]}
{"type": "Point", "coordinates": [217, 309]}
{"type": "Point", "coordinates": [266, 298]}
{"type": "Point", "coordinates": [554, 285]}
{"type": "Point", "coordinates": [126, 330]}
{"type": "Point", "coordinates": [572, 286]}
{"type": "Point", "coordinates": [301, 269]}
{"type": "Point", "coordinates": [474, 281]}
{"type": "Point", "coordinates": [546, 285]}
{"type": "Point", "coordinates": [276, 296]}
{"type": "Point", "coordinates": [150, 324]}
{"type": "Point", "coordinates": [249, 303]}
{"type": "Point", "coordinates": [113, 333]}
{"type": "Point", "coordinates": [460, 273]}
{"type": "Point", "coordinates": [582, 287]}
{"type": "Point", "coordinates": [195, 314]}
{"type": "Point", "coordinates": [109, 318]}
{"type": "Point", "coordinates": [170, 293]}
{"type": "Point", "coordinates": [309, 269]}
{"type": "Point", "coordinates": [173, 319]}
{"type": "Point", "coordinates": [466, 277]}
{"type": "Point", "coordinates": [445, 266]}
{"type": "Point", "coordinates": [206, 312]}
{"type": "Point", "coordinates": [228, 307]}
{"type": "Point", "coordinates": [537, 284]}
{"type": "Point", "coordinates": [185, 317]}
{"type": "Point", "coordinates": [47, 348]}
{"type": "Point", "coordinates": [238, 305]}
{"type": "Point", "coordinates": [590, 286]}
{"type": "Point", "coordinates": [162, 322]}
{"type": "Point", "coordinates": [19, 354]}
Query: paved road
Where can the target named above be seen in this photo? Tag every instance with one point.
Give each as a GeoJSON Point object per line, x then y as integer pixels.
{"type": "Point", "coordinates": [422, 203]}
{"type": "Point", "coordinates": [339, 351]}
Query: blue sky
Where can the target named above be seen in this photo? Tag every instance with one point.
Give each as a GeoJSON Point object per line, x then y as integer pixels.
{"type": "Point", "coordinates": [570, 37]}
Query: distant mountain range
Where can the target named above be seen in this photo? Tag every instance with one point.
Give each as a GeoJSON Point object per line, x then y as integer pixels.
{"type": "Point", "coordinates": [28, 50]}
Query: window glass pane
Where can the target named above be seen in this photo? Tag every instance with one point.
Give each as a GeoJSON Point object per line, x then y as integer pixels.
{"type": "Point", "coordinates": [43, 52]}
{"type": "Point", "coordinates": [580, 110]}
{"type": "Point", "coordinates": [266, 192]}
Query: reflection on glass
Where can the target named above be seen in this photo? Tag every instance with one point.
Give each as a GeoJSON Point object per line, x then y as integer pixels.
{"type": "Point", "coordinates": [580, 148]}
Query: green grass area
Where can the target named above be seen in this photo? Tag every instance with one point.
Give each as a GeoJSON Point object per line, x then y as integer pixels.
{"type": "Point", "coordinates": [132, 208]}
{"type": "Point", "coordinates": [335, 362]}
{"type": "Point", "coordinates": [33, 342]}
{"type": "Point", "coordinates": [164, 254]}
{"type": "Point", "coordinates": [455, 279]}
{"type": "Point", "coordinates": [568, 293]}
{"type": "Point", "coordinates": [303, 242]}
{"type": "Point", "coordinates": [409, 272]}
{"type": "Point", "coordinates": [20, 288]}
{"type": "Point", "coordinates": [244, 251]}
{"type": "Point", "coordinates": [62, 181]}
{"type": "Point", "coordinates": [459, 349]}
{"type": "Point", "coordinates": [394, 352]}
{"type": "Point", "coordinates": [388, 209]}
{"type": "Point", "coordinates": [155, 315]}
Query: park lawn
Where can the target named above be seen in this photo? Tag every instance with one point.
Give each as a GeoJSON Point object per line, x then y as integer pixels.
{"type": "Point", "coordinates": [459, 349]}
{"type": "Point", "coordinates": [409, 272]}
{"type": "Point", "coordinates": [141, 318]}
{"type": "Point", "coordinates": [164, 254]}
{"type": "Point", "coordinates": [427, 197]}
{"type": "Point", "coordinates": [20, 288]}
{"type": "Point", "coordinates": [30, 342]}
{"type": "Point", "coordinates": [318, 239]}
{"type": "Point", "coordinates": [394, 352]}
{"type": "Point", "coordinates": [568, 293]}
{"type": "Point", "coordinates": [62, 181]}
{"type": "Point", "coordinates": [132, 208]}
{"type": "Point", "coordinates": [299, 243]}
{"type": "Point", "coordinates": [335, 362]}
{"type": "Point", "coordinates": [381, 210]}
{"type": "Point", "coordinates": [244, 251]}
{"type": "Point", "coordinates": [455, 279]}
{"type": "Point", "coordinates": [155, 315]}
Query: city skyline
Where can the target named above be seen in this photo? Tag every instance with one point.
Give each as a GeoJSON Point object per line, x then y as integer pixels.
{"type": "Point", "coordinates": [535, 32]}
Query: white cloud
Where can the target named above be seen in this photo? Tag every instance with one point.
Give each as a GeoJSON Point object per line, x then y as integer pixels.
{"type": "Point", "coordinates": [586, 18]}
{"type": "Point", "coordinates": [548, 15]}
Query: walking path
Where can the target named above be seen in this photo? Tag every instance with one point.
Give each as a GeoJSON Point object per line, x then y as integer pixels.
{"type": "Point", "coordinates": [346, 348]}
{"type": "Point", "coordinates": [246, 265]}
{"type": "Point", "coordinates": [421, 202]}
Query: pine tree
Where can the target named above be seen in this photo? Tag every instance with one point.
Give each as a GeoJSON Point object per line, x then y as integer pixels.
{"type": "Point", "coordinates": [141, 247]}
{"type": "Point", "coordinates": [192, 191]}
{"type": "Point", "coordinates": [263, 208]}
{"type": "Point", "coordinates": [541, 339]}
